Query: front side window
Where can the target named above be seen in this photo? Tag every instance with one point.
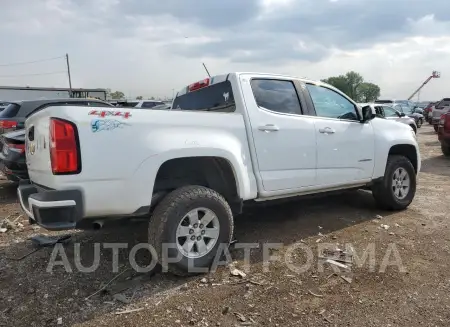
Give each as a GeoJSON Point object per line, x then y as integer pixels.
{"type": "Point", "coordinates": [276, 95]}
{"type": "Point", "coordinates": [390, 112]}
{"type": "Point", "coordinates": [331, 104]}
{"type": "Point", "coordinates": [398, 107]}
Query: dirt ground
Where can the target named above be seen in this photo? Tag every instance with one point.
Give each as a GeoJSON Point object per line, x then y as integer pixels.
{"type": "Point", "coordinates": [419, 296]}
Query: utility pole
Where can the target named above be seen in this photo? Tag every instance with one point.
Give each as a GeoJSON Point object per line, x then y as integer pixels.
{"type": "Point", "coordinates": [68, 73]}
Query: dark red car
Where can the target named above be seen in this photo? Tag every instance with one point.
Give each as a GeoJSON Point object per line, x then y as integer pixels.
{"type": "Point", "coordinates": [444, 134]}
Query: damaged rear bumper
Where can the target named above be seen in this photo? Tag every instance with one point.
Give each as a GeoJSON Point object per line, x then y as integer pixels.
{"type": "Point", "coordinates": [51, 209]}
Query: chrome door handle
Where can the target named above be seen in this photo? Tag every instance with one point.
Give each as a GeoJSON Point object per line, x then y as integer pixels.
{"type": "Point", "coordinates": [269, 128]}
{"type": "Point", "coordinates": [326, 130]}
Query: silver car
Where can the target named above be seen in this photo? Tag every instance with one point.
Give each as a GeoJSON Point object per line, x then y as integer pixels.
{"type": "Point", "coordinates": [387, 112]}
{"type": "Point", "coordinates": [440, 108]}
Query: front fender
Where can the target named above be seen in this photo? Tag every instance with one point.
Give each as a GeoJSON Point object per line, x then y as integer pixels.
{"type": "Point", "coordinates": [388, 134]}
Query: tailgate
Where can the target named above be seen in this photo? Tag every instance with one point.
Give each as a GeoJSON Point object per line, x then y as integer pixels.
{"type": "Point", "coordinates": [37, 141]}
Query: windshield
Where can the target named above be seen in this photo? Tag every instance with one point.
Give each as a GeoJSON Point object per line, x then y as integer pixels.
{"type": "Point", "coordinates": [10, 111]}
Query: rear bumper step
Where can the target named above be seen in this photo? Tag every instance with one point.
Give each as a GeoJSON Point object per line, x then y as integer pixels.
{"type": "Point", "coordinates": [53, 210]}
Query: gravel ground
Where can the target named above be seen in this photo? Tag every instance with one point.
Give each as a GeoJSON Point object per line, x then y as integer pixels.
{"type": "Point", "coordinates": [419, 295]}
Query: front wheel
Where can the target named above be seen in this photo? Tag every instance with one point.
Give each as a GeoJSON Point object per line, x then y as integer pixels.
{"type": "Point", "coordinates": [397, 188]}
{"type": "Point", "coordinates": [445, 150]}
{"type": "Point", "coordinates": [193, 221]}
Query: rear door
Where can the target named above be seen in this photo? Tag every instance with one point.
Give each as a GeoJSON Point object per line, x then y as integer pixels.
{"type": "Point", "coordinates": [284, 138]}
{"type": "Point", "coordinates": [345, 146]}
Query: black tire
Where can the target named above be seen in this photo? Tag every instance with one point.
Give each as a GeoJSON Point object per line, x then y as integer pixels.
{"type": "Point", "coordinates": [171, 211]}
{"type": "Point", "coordinates": [445, 150]}
{"type": "Point", "coordinates": [419, 123]}
{"type": "Point", "coordinates": [382, 191]}
{"type": "Point", "coordinates": [436, 127]}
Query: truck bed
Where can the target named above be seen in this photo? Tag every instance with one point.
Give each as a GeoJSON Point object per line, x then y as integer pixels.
{"type": "Point", "coordinates": [121, 150]}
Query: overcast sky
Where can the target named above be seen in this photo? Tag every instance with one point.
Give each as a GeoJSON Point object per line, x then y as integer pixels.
{"type": "Point", "coordinates": [150, 47]}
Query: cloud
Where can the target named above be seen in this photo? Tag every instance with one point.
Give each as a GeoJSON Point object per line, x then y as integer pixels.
{"type": "Point", "coordinates": [150, 47]}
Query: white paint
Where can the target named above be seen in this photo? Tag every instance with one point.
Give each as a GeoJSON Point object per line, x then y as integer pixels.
{"type": "Point", "coordinates": [272, 155]}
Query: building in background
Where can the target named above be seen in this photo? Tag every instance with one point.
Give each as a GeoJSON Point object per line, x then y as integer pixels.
{"type": "Point", "coordinates": [13, 93]}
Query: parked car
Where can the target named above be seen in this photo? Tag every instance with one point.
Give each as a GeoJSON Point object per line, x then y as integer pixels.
{"type": "Point", "coordinates": [227, 140]}
{"type": "Point", "coordinates": [140, 104]}
{"type": "Point", "coordinates": [406, 107]}
{"type": "Point", "coordinates": [14, 116]}
{"type": "Point", "coordinates": [444, 133]}
{"type": "Point", "coordinates": [440, 108]}
{"type": "Point", "coordinates": [12, 143]}
{"type": "Point", "coordinates": [427, 112]}
{"type": "Point", "coordinates": [148, 104]}
{"type": "Point", "coordinates": [3, 105]}
{"type": "Point", "coordinates": [387, 112]}
{"type": "Point", "coordinates": [12, 156]}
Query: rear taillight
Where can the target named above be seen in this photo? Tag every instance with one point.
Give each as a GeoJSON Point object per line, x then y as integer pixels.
{"type": "Point", "coordinates": [6, 124]}
{"type": "Point", "coordinates": [16, 147]}
{"type": "Point", "coordinates": [64, 153]}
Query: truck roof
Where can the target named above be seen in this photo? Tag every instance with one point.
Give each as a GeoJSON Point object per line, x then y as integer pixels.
{"type": "Point", "coordinates": [222, 78]}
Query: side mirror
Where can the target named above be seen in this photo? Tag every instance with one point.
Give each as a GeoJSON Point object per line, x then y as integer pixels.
{"type": "Point", "coordinates": [402, 114]}
{"type": "Point", "coordinates": [368, 113]}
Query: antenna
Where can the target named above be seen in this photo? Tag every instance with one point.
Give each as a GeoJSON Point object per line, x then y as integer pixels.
{"type": "Point", "coordinates": [206, 69]}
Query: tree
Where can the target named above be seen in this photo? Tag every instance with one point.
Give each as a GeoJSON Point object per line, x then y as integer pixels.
{"type": "Point", "coordinates": [339, 82]}
{"type": "Point", "coordinates": [117, 95]}
{"type": "Point", "coordinates": [368, 92]}
{"type": "Point", "coordinates": [139, 97]}
{"type": "Point", "coordinates": [352, 84]}
{"type": "Point", "coordinates": [152, 98]}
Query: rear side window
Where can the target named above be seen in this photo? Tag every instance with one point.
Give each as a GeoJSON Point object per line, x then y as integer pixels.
{"type": "Point", "coordinates": [217, 97]}
{"type": "Point", "coordinates": [276, 95]}
{"type": "Point", "coordinates": [10, 111]}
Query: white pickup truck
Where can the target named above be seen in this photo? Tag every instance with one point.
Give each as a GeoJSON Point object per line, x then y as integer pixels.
{"type": "Point", "coordinates": [228, 139]}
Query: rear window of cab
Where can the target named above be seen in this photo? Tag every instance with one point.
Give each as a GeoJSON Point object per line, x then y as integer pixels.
{"type": "Point", "coordinates": [217, 98]}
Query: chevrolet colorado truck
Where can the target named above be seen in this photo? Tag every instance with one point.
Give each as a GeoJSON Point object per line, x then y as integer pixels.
{"type": "Point", "coordinates": [226, 140]}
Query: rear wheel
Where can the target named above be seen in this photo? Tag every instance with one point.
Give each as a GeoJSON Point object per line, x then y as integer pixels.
{"type": "Point", "coordinates": [436, 127]}
{"type": "Point", "coordinates": [193, 221]}
{"type": "Point", "coordinates": [419, 123]}
{"type": "Point", "coordinates": [445, 150]}
{"type": "Point", "coordinates": [398, 187]}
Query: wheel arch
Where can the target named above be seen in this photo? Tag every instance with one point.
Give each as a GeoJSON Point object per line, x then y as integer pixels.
{"type": "Point", "coordinates": [408, 151]}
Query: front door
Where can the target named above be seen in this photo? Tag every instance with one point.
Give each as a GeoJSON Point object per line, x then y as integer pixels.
{"type": "Point", "coordinates": [345, 146]}
{"type": "Point", "coordinates": [284, 140]}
